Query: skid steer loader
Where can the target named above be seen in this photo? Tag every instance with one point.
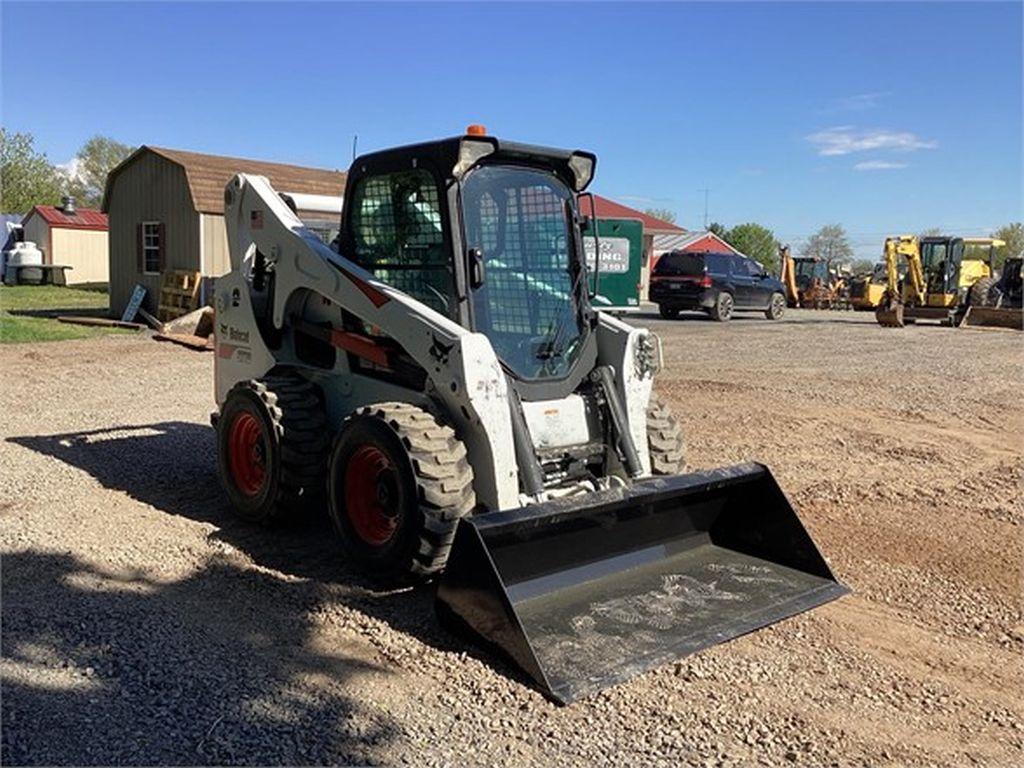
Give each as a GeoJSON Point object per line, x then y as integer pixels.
{"type": "Point", "coordinates": [442, 383]}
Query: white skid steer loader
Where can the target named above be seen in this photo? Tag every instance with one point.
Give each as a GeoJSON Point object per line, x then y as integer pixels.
{"type": "Point", "coordinates": [441, 381]}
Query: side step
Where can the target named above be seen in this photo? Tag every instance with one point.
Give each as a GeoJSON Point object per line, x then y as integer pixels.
{"type": "Point", "coordinates": [585, 592]}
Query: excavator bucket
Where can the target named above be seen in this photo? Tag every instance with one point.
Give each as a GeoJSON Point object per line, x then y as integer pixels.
{"type": "Point", "coordinates": [998, 317]}
{"type": "Point", "coordinates": [890, 314]}
{"type": "Point", "coordinates": [587, 591]}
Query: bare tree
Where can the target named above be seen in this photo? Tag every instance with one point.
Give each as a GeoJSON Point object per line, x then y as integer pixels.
{"type": "Point", "coordinates": [829, 242]}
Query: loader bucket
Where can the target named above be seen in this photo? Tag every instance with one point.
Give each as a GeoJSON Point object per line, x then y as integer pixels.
{"type": "Point", "coordinates": [998, 317]}
{"type": "Point", "coordinates": [588, 591]}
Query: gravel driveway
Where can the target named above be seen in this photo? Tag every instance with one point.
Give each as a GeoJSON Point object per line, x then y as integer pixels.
{"type": "Point", "coordinates": [142, 624]}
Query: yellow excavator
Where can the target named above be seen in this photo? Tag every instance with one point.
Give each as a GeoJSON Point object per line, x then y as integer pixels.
{"type": "Point", "coordinates": [946, 278]}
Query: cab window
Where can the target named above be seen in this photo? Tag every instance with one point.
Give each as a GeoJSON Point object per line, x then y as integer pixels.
{"type": "Point", "coordinates": [398, 235]}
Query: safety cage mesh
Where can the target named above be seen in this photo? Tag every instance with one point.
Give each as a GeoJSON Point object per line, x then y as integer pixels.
{"type": "Point", "coordinates": [528, 280]}
{"type": "Point", "coordinates": [399, 236]}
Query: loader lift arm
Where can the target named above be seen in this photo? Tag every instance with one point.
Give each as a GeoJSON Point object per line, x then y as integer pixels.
{"type": "Point", "coordinates": [890, 311]}
{"type": "Point", "coordinates": [463, 370]}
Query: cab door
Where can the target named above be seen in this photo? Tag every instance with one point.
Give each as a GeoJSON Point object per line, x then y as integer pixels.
{"type": "Point", "coordinates": [743, 283]}
{"type": "Point", "coordinates": [760, 287]}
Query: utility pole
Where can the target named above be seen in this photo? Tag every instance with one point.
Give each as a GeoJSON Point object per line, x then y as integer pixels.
{"type": "Point", "coordinates": [705, 191]}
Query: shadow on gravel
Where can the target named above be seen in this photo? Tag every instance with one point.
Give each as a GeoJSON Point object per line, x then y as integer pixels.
{"type": "Point", "coordinates": [171, 466]}
{"type": "Point", "coordinates": [214, 669]}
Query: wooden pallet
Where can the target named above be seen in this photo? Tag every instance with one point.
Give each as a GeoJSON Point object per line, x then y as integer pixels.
{"type": "Point", "coordinates": [179, 293]}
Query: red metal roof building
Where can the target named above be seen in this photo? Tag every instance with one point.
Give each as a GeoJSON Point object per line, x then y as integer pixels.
{"type": "Point", "coordinates": [609, 209]}
{"type": "Point", "coordinates": [73, 237]}
{"type": "Point", "coordinates": [80, 218]}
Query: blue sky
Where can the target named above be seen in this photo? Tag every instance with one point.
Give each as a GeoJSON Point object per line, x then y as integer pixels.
{"type": "Point", "coordinates": [882, 117]}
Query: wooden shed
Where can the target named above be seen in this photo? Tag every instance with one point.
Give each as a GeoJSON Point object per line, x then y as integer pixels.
{"type": "Point", "coordinates": [166, 211]}
{"type": "Point", "coordinates": [72, 236]}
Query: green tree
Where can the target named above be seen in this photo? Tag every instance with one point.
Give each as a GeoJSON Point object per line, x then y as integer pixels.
{"type": "Point", "coordinates": [27, 177]}
{"type": "Point", "coordinates": [1013, 234]}
{"type": "Point", "coordinates": [719, 229]}
{"type": "Point", "coordinates": [661, 213]}
{"type": "Point", "coordinates": [757, 242]}
{"type": "Point", "coordinates": [829, 242]}
{"type": "Point", "coordinates": [930, 232]}
{"type": "Point", "coordinates": [94, 161]}
{"type": "Point", "coordinates": [860, 266]}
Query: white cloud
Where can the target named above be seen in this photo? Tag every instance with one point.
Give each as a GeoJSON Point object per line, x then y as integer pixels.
{"type": "Point", "coordinates": [878, 165]}
{"type": "Point", "coordinates": [846, 139]}
{"type": "Point", "coordinates": [72, 168]}
{"type": "Point", "coordinates": [641, 200]}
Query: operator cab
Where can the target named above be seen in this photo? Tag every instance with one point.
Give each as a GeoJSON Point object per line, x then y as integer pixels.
{"type": "Point", "coordinates": [487, 233]}
{"type": "Point", "coordinates": [940, 260]}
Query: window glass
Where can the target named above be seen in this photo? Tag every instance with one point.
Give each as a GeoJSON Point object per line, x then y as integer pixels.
{"type": "Point", "coordinates": [753, 268]}
{"type": "Point", "coordinates": [680, 263]}
{"type": "Point", "coordinates": [396, 225]}
{"type": "Point", "coordinates": [151, 246]}
{"type": "Point", "coordinates": [739, 266]}
{"type": "Point", "coordinates": [978, 252]}
{"type": "Point", "coordinates": [718, 263]}
{"type": "Point", "coordinates": [528, 304]}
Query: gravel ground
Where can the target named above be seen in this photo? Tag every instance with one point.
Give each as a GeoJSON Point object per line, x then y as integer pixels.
{"type": "Point", "coordinates": [142, 624]}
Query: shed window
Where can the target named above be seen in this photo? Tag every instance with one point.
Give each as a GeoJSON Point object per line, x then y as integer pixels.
{"type": "Point", "coordinates": [152, 246]}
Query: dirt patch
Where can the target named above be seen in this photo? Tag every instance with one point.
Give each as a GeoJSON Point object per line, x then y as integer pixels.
{"type": "Point", "coordinates": [143, 624]}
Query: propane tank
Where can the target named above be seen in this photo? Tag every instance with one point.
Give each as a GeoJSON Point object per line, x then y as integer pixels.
{"type": "Point", "coordinates": [19, 261]}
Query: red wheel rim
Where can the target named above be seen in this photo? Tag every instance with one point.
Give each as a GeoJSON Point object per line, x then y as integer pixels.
{"type": "Point", "coordinates": [371, 495]}
{"type": "Point", "coordinates": [247, 453]}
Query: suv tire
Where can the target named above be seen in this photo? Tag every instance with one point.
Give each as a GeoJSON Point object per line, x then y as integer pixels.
{"type": "Point", "coordinates": [776, 307]}
{"type": "Point", "coordinates": [722, 310]}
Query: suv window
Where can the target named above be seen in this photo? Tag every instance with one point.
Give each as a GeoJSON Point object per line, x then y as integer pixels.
{"type": "Point", "coordinates": [397, 232]}
{"type": "Point", "coordinates": [739, 266]}
{"type": "Point", "coordinates": [718, 263]}
{"type": "Point", "coordinates": [680, 263]}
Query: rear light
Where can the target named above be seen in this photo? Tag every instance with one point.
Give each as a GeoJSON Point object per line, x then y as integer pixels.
{"type": "Point", "coordinates": [705, 281]}
{"type": "Point", "coordinates": [656, 278]}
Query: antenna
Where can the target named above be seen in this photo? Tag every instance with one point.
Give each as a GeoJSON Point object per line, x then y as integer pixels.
{"type": "Point", "coordinates": [705, 190]}
{"type": "Point", "coordinates": [355, 143]}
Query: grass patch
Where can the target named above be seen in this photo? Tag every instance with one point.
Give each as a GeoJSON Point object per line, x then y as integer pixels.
{"type": "Point", "coordinates": [28, 313]}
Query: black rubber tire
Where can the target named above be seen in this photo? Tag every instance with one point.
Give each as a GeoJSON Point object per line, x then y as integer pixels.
{"type": "Point", "coordinates": [434, 488]}
{"type": "Point", "coordinates": [669, 313]}
{"type": "Point", "coordinates": [722, 310]}
{"type": "Point", "coordinates": [979, 293]}
{"type": "Point", "coordinates": [294, 439]}
{"type": "Point", "coordinates": [664, 439]}
{"type": "Point", "coordinates": [776, 307]}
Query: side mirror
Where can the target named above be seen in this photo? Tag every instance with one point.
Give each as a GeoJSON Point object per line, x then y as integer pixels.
{"type": "Point", "coordinates": [476, 268]}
